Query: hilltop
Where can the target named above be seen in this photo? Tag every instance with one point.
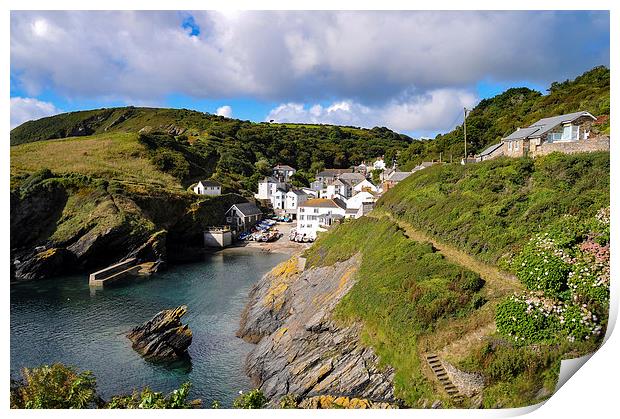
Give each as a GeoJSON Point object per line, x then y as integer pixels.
{"type": "Point", "coordinates": [500, 115]}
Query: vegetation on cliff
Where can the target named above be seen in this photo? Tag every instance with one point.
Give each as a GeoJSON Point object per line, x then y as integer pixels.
{"type": "Point", "coordinates": [498, 116]}
{"type": "Point", "coordinates": [404, 290]}
{"type": "Point", "coordinates": [492, 208]}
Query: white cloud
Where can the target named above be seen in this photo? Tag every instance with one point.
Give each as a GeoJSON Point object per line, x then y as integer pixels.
{"type": "Point", "coordinates": [224, 111]}
{"type": "Point", "coordinates": [295, 55]}
{"type": "Point", "coordinates": [429, 112]}
{"type": "Point", "coordinates": [27, 109]}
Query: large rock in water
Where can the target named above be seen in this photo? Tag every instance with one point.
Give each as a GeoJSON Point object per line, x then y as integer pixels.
{"type": "Point", "coordinates": [164, 337]}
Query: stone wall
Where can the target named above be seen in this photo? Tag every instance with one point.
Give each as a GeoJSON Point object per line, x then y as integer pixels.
{"type": "Point", "coordinates": [468, 384]}
{"type": "Point", "coordinates": [599, 143]}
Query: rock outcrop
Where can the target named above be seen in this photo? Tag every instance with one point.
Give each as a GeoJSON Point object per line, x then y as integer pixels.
{"type": "Point", "coordinates": [164, 337]}
{"type": "Point", "coordinates": [300, 348]}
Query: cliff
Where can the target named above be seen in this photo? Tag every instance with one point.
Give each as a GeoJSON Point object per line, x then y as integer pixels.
{"type": "Point", "coordinates": [301, 348]}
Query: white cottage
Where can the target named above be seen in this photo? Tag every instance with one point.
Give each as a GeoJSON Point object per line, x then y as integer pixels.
{"type": "Point", "coordinates": [294, 198]}
{"type": "Point", "coordinates": [316, 215]}
{"type": "Point", "coordinates": [283, 172]}
{"type": "Point", "coordinates": [267, 187]}
{"type": "Point", "coordinates": [208, 187]}
{"type": "Point", "coordinates": [365, 185]}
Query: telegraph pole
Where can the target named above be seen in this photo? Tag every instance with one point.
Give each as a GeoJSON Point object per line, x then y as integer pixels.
{"type": "Point", "coordinates": [465, 131]}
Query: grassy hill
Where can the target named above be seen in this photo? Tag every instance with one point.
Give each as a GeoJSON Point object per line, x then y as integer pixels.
{"type": "Point", "coordinates": [498, 116]}
{"type": "Point", "coordinates": [542, 221]}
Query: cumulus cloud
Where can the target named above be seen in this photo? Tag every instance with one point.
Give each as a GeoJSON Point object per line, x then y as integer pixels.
{"type": "Point", "coordinates": [224, 111]}
{"type": "Point", "coordinates": [374, 59]}
{"type": "Point", "coordinates": [27, 109]}
{"type": "Point", "coordinates": [426, 113]}
{"type": "Point", "coordinates": [282, 56]}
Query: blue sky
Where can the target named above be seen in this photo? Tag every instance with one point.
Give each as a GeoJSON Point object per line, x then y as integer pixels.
{"type": "Point", "coordinates": [409, 71]}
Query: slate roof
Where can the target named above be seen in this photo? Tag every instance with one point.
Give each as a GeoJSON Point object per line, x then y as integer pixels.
{"type": "Point", "coordinates": [353, 176]}
{"type": "Point", "coordinates": [209, 183]}
{"type": "Point", "coordinates": [247, 209]}
{"type": "Point", "coordinates": [269, 179]}
{"type": "Point", "coordinates": [283, 167]}
{"type": "Point", "coordinates": [398, 176]}
{"type": "Point", "coordinates": [490, 149]}
{"type": "Point", "coordinates": [298, 192]}
{"type": "Point", "coordinates": [545, 125]}
{"type": "Point", "coordinates": [333, 172]}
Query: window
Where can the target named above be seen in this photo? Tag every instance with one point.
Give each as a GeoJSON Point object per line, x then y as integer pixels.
{"type": "Point", "coordinates": [516, 146]}
{"type": "Point", "coordinates": [316, 210]}
{"type": "Point", "coordinates": [509, 145]}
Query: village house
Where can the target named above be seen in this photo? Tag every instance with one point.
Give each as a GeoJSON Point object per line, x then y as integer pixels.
{"type": "Point", "coordinates": [241, 217]}
{"type": "Point", "coordinates": [365, 185]}
{"type": "Point", "coordinates": [283, 173]}
{"type": "Point", "coordinates": [394, 179]}
{"type": "Point", "coordinates": [356, 201]}
{"type": "Point", "coordinates": [318, 214]}
{"type": "Point", "coordinates": [328, 175]}
{"type": "Point", "coordinates": [568, 133]}
{"type": "Point", "coordinates": [278, 200]}
{"type": "Point", "coordinates": [208, 187]}
{"type": "Point", "coordinates": [339, 188]}
{"type": "Point", "coordinates": [423, 165]}
{"type": "Point", "coordinates": [491, 152]}
{"type": "Point", "coordinates": [294, 198]}
{"type": "Point", "coordinates": [267, 187]}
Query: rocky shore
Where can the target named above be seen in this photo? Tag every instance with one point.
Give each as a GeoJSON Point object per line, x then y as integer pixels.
{"type": "Point", "coordinates": [301, 348]}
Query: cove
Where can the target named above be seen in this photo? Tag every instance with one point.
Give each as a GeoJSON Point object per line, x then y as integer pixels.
{"type": "Point", "coordinates": [62, 320]}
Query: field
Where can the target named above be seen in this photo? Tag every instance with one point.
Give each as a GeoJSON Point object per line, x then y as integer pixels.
{"type": "Point", "coordinates": [117, 156]}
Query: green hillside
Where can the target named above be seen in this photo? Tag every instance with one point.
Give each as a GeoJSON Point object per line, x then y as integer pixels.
{"type": "Point", "coordinates": [192, 145]}
{"type": "Point", "coordinates": [544, 222]}
{"type": "Point", "coordinates": [498, 116]}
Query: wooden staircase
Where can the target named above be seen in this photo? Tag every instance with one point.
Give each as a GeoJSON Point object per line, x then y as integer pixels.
{"type": "Point", "coordinates": [435, 363]}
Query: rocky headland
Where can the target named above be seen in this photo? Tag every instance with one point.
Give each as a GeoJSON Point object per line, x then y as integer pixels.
{"type": "Point", "coordinates": [301, 348]}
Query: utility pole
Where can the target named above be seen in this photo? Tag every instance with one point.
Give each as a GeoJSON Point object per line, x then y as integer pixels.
{"type": "Point", "coordinates": [465, 131]}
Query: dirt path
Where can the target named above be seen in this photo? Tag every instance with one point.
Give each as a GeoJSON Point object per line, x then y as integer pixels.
{"type": "Point", "coordinates": [497, 281]}
{"type": "Point", "coordinates": [454, 339]}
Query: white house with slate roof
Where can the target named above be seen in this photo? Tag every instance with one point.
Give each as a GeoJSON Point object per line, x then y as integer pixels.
{"type": "Point", "coordinates": [208, 187]}
{"type": "Point", "coordinates": [317, 214]}
{"type": "Point", "coordinates": [283, 172]}
{"type": "Point", "coordinates": [563, 131]}
{"type": "Point", "coordinates": [243, 216]}
{"type": "Point", "coordinates": [268, 187]}
{"type": "Point", "coordinates": [294, 198]}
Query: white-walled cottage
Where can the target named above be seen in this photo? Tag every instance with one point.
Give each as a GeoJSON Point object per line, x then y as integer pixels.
{"type": "Point", "coordinates": [318, 214]}
{"type": "Point", "coordinates": [283, 172]}
{"type": "Point", "coordinates": [208, 187]}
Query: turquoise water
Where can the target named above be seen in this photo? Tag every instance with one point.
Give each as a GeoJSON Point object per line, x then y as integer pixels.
{"type": "Point", "coordinates": [61, 320]}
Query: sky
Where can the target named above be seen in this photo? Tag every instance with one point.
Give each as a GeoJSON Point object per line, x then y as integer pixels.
{"type": "Point", "coordinates": [412, 71]}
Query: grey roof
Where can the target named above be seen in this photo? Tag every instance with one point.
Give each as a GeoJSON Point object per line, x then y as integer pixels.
{"type": "Point", "coordinates": [269, 179]}
{"type": "Point", "coordinates": [209, 183]}
{"type": "Point", "coordinates": [544, 125]}
{"type": "Point", "coordinates": [247, 209]}
{"type": "Point", "coordinates": [333, 172]}
{"type": "Point", "coordinates": [298, 192]}
{"type": "Point", "coordinates": [522, 133]}
{"type": "Point", "coordinates": [398, 176]}
{"type": "Point", "coordinates": [490, 149]}
{"type": "Point", "coordinates": [283, 167]}
{"type": "Point", "coordinates": [352, 176]}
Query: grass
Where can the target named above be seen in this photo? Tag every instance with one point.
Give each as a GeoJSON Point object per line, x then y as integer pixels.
{"type": "Point", "coordinates": [404, 290]}
{"type": "Point", "coordinates": [492, 208]}
{"type": "Point", "coordinates": [117, 156]}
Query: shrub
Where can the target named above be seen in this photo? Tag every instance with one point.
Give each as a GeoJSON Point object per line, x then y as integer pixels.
{"type": "Point", "coordinates": [254, 399]}
{"type": "Point", "coordinates": [542, 266]}
{"type": "Point", "coordinates": [527, 319]}
{"type": "Point", "coordinates": [149, 399]}
{"type": "Point", "coordinates": [54, 387]}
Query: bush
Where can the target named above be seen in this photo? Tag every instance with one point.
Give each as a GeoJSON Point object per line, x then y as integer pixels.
{"type": "Point", "coordinates": [54, 387]}
{"type": "Point", "coordinates": [541, 266]}
{"type": "Point", "coordinates": [254, 399]}
{"type": "Point", "coordinates": [149, 399]}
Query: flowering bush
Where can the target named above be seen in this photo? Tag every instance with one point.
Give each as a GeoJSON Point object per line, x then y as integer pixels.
{"type": "Point", "coordinates": [543, 266]}
{"type": "Point", "coordinates": [567, 272]}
